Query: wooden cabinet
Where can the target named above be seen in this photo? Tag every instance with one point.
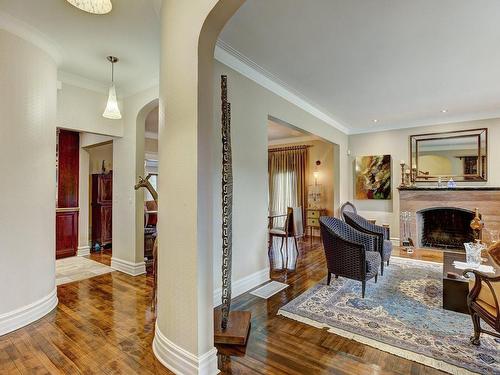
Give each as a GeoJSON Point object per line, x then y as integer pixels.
{"type": "Point", "coordinates": [102, 208]}
{"type": "Point", "coordinates": [312, 219]}
{"type": "Point", "coordinates": [68, 159]}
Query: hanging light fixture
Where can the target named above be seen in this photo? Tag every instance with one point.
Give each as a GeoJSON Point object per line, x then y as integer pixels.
{"type": "Point", "coordinates": [112, 111]}
{"type": "Point", "coordinates": [93, 6]}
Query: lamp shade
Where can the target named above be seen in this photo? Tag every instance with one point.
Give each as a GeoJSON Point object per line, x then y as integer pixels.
{"type": "Point", "coordinates": [112, 111]}
{"type": "Point", "coordinates": [93, 6]}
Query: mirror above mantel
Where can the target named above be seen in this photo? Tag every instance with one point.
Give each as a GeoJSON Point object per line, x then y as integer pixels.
{"type": "Point", "coordinates": [461, 155]}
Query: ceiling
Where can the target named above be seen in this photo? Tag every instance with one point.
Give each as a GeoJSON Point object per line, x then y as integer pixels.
{"type": "Point", "coordinates": [400, 62]}
{"type": "Point", "coordinates": [151, 127]}
{"type": "Point", "coordinates": [403, 63]}
{"type": "Point", "coordinates": [131, 31]}
{"type": "Point", "coordinates": [277, 131]}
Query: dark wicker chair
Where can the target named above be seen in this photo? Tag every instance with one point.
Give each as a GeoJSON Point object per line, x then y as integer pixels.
{"type": "Point", "coordinates": [384, 245]}
{"type": "Point", "coordinates": [349, 252]}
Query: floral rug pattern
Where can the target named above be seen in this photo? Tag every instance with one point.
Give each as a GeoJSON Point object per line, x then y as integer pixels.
{"type": "Point", "coordinates": [401, 314]}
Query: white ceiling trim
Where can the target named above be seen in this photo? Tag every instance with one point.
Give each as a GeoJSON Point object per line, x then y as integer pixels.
{"type": "Point", "coordinates": [30, 34]}
{"type": "Point", "coordinates": [284, 141]}
{"type": "Point", "coordinates": [227, 55]}
{"type": "Point", "coordinates": [478, 116]}
{"type": "Point", "coordinates": [82, 82]}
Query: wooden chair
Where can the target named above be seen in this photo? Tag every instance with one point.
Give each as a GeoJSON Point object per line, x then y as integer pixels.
{"type": "Point", "coordinates": [293, 227]}
{"type": "Point", "coordinates": [483, 300]}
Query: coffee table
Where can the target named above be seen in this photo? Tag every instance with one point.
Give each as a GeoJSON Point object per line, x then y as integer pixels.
{"type": "Point", "coordinates": [455, 286]}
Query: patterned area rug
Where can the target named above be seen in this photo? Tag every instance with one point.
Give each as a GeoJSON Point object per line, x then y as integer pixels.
{"type": "Point", "coordinates": [402, 315]}
{"type": "Point", "coordinates": [78, 268]}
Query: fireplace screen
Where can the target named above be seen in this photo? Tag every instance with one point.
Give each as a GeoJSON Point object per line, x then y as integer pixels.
{"type": "Point", "coordinates": [445, 228]}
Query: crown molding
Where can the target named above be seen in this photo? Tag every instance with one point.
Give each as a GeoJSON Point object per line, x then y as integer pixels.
{"type": "Point", "coordinates": [284, 141]}
{"type": "Point", "coordinates": [31, 34]}
{"type": "Point", "coordinates": [227, 55]}
{"type": "Point", "coordinates": [477, 116]}
{"type": "Point", "coordinates": [82, 82]}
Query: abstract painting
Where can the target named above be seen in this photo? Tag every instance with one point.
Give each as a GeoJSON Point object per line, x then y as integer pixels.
{"type": "Point", "coordinates": [373, 177]}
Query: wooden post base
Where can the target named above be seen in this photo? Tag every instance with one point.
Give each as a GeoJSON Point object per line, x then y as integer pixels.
{"type": "Point", "coordinates": [238, 328]}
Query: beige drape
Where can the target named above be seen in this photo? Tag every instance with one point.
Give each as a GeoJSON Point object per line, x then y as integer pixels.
{"type": "Point", "coordinates": [288, 178]}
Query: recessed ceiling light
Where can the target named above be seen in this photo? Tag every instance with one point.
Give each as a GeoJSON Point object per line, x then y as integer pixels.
{"type": "Point", "coordinates": [444, 110]}
{"type": "Point", "coordinates": [93, 6]}
{"type": "Point", "coordinates": [375, 120]}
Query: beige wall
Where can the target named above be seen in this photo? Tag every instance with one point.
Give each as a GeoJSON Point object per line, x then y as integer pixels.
{"type": "Point", "coordinates": [396, 143]}
{"type": "Point", "coordinates": [28, 89]}
{"type": "Point", "coordinates": [251, 105]}
{"type": "Point", "coordinates": [322, 151]}
{"type": "Point", "coordinates": [97, 155]}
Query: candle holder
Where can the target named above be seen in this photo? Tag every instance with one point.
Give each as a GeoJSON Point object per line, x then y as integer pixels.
{"type": "Point", "coordinates": [403, 180]}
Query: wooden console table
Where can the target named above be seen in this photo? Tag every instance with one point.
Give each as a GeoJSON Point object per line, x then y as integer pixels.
{"type": "Point", "coordinates": [312, 219]}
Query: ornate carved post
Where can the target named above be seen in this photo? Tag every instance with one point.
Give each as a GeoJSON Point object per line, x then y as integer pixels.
{"type": "Point", "coordinates": [227, 203]}
{"type": "Point", "coordinates": [231, 327]}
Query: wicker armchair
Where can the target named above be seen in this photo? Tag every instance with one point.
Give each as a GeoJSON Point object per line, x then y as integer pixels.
{"type": "Point", "coordinates": [384, 245]}
{"type": "Point", "coordinates": [347, 207]}
{"type": "Point", "coordinates": [349, 252]}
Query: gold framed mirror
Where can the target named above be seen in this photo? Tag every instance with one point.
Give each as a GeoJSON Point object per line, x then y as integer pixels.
{"type": "Point", "coordinates": [461, 155]}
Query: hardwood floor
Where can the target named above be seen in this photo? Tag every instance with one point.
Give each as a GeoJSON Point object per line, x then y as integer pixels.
{"type": "Point", "coordinates": [103, 325]}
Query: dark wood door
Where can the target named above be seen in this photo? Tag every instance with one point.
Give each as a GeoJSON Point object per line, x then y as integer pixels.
{"type": "Point", "coordinates": [102, 211]}
{"type": "Point", "coordinates": [106, 224]}
{"type": "Point", "coordinates": [68, 164]}
{"type": "Point", "coordinates": [66, 233]}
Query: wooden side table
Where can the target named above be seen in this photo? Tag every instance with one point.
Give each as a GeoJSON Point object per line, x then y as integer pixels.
{"type": "Point", "coordinates": [312, 219]}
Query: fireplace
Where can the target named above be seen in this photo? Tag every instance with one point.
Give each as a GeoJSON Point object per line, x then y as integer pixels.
{"type": "Point", "coordinates": [445, 227]}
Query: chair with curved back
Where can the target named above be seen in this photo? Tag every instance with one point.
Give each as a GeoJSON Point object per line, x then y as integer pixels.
{"type": "Point", "coordinates": [293, 227]}
{"type": "Point", "coordinates": [349, 253]}
{"type": "Point", "coordinates": [483, 299]}
{"type": "Point", "coordinates": [384, 245]}
{"type": "Point", "coordinates": [347, 207]}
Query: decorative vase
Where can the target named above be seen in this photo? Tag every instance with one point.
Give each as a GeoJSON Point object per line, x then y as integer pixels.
{"type": "Point", "coordinates": [473, 253]}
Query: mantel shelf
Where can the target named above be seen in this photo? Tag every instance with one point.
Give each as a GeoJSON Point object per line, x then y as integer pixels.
{"type": "Point", "coordinates": [433, 188]}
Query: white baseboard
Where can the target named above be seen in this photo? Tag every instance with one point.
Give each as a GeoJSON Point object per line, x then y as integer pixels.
{"type": "Point", "coordinates": [180, 361]}
{"type": "Point", "coordinates": [243, 285]}
{"type": "Point", "coordinates": [83, 250]}
{"type": "Point", "coordinates": [133, 269]}
{"type": "Point", "coordinates": [28, 314]}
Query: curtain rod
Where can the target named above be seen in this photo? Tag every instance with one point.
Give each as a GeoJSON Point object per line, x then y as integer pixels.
{"type": "Point", "coordinates": [289, 148]}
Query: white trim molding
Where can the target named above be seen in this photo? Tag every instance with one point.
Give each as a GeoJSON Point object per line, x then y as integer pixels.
{"type": "Point", "coordinates": [83, 251]}
{"type": "Point", "coordinates": [227, 55]}
{"type": "Point", "coordinates": [243, 285]}
{"type": "Point", "coordinates": [180, 361]}
{"type": "Point", "coordinates": [130, 268]}
{"type": "Point", "coordinates": [28, 314]}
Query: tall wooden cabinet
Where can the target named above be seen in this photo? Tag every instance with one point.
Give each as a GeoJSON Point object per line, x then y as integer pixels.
{"type": "Point", "coordinates": [102, 203]}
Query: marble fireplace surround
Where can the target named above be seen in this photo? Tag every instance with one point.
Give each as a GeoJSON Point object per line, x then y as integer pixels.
{"type": "Point", "coordinates": [415, 199]}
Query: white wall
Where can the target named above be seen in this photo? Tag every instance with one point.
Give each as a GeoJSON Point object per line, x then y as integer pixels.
{"type": "Point", "coordinates": [396, 143]}
{"type": "Point", "coordinates": [251, 105]}
{"type": "Point", "coordinates": [28, 89]}
{"type": "Point", "coordinates": [81, 109]}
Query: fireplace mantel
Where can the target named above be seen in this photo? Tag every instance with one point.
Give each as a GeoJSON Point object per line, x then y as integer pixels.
{"type": "Point", "coordinates": [416, 199]}
{"type": "Point", "coordinates": [458, 188]}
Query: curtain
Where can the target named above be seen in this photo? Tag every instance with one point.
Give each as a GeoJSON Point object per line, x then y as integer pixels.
{"type": "Point", "coordinates": [287, 178]}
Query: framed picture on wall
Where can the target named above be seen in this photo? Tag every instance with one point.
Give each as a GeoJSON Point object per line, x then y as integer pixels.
{"type": "Point", "coordinates": [373, 177]}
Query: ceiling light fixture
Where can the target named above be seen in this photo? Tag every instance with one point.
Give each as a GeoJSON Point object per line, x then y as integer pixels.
{"type": "Point", "coordinates": [444, 110]}
{"type": "Point", "coordinates": [112, 111]}
{"type": "Point", "coordinates": [92, 6]}
{"type": "Point", "coordinates": [375, 121]}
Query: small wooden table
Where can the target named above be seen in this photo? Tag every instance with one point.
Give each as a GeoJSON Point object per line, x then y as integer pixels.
{"type": "Point", "coordinates": [312, 219]}
{"type": "Point", "coordinates": [455, 286]}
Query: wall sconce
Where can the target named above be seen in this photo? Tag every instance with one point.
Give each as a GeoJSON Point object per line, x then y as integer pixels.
{"type": "Point", "coordinates": [316, 172]}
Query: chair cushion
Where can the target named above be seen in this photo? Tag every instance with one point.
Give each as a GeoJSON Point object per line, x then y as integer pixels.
{"type": "Point", "coordinates": [387, 249]}
{"type": "Point", "coordinates": [485, 298]}
{"type": "Point", "coordinates": [372, 263]}
{"type": "Point", "coordinates": [278, 231]}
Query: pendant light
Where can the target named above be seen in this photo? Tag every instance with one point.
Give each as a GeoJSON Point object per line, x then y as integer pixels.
{"type": "Point", "coordinates": [112, 111]}
{"type": "Point", "coordinates": [92, 6]}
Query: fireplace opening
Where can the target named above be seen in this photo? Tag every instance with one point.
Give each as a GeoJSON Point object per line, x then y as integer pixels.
{"type": "Point", "coordinates": [445, 227]}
